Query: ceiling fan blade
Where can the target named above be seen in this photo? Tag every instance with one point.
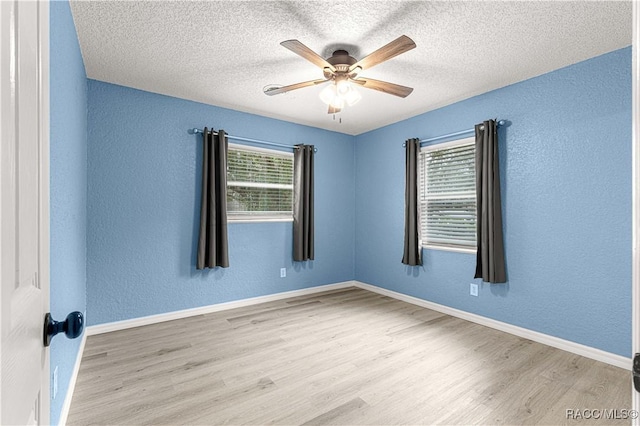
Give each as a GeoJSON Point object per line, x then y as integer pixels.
{"type": "Point", "coordinates": [333, 110]}
{"type": "Point", "coordinates": [396, 47]}
{"type": "Point", "coordinates": [383, 86]}
{"type": "Point", "coordinates": [291, 87]}
{"type": "Point", "coordinates": [296, 47]}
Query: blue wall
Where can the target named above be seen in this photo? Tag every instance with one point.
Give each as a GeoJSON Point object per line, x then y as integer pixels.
{"type": "Point", "coordinates": [143, 208]}
{"type": "Point", "coordinates": [68, 196]}
{"type": "Point", "coordinates": [566, 184]}
{"type": "Point", "coordinates": [128, 229]}
{"type": "Point", "coordinates": [566, 191]}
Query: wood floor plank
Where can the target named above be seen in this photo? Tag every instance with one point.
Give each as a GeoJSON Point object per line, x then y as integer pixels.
{"type": "Point", "coordinates": [347, 356]}
{"type": "Point", "coordinates": [337, 415]}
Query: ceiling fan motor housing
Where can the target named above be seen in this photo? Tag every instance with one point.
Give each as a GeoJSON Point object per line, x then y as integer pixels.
{"type": "Point", "coordinates": [341, 60]}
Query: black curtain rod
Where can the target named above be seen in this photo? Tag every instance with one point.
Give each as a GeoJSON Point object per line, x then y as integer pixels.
{"type": "Point", "coordinates": [450, 135]}
{"type": "Point", "coordinates": [239, 138]}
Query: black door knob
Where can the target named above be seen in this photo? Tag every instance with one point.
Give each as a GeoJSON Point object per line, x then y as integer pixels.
{"type": "Point", "coordinates": [72, 326]}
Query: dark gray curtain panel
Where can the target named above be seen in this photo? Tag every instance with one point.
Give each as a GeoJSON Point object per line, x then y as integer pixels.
{"type": "Point", "coordinates": [303, 203]}
{"type": "Point", "coordinates": [412, 241]}
{"type": "Point", "coordinates": [490, 264]}
{"type": "Point", "coordinates": [213, 248]}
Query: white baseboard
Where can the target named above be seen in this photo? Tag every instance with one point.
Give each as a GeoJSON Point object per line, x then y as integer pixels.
{"type": "Point", "coordinates": [66, 406]}
{"type": "Point", "coordinates": [556, 342]}
{"type": "Point", "coordinates": [576, 348]}
{"type": "Point", "coordinates": [169, 316]}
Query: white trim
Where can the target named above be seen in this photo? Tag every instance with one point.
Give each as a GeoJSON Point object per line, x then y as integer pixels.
{"type": "Point", "coordinates": [66, 406]}
{"type": "Point", "coordinates": [635, 209]}
{"type": "Point", "coordinates": [44, 269]}
{"type": "Point", "coordinates": [556, 342]}
{"type": "Point", "coordinates": [576, 348]}
{"type": "Point", "coordinates": [169, 316]}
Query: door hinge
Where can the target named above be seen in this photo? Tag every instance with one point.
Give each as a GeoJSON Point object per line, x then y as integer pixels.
{"type": "Point", "coordinates": [636, 372]}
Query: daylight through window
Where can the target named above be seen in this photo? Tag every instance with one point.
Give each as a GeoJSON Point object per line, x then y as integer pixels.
{"type": "Point", "coordinates": [448, 195]}
{"type": "Point", "coordinates": [259, 184]}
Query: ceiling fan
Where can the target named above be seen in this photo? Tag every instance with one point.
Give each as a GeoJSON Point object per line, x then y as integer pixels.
{"type": "Point", "coordinates": [342, 70]}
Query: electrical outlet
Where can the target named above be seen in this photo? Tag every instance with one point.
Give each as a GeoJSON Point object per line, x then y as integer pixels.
{"type": "Point", "coordinates": [55, 382]}
{"type": "Point", "coordinates": [473, 289]}
{"type": "Point", "coordinates": [283, 272]}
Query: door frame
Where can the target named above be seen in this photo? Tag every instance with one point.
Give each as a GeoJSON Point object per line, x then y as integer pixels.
{"type": "Point", "coordinates": [45, 177]}
{"type": "Point", "coordinates": [635, 224]}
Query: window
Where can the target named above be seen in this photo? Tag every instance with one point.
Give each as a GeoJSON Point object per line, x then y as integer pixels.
{"type": "Point", "coordinates": [448, 195]}
{"type": "Point", "coordinates": [259, 184]}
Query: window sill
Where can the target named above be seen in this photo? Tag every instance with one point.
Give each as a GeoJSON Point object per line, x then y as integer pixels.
{"type": "Point", "coordinates": [449, 248]}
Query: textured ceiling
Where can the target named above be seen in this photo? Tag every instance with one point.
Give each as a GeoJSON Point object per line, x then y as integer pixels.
{"type": "Point", "coordinates": [224, 52]}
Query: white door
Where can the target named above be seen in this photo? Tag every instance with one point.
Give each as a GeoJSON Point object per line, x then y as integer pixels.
{"type": "Point", "coordinates": [24, 212]}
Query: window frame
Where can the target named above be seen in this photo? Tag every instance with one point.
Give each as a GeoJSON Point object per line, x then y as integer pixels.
{"type": "Point", "coordinates": [231, 218]}
{"type": "Point", "coordinates": [422, 189]}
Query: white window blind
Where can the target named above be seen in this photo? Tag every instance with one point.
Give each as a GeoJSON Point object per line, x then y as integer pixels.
{"type": "Point", "coordinates": [448, 195]}
{"type": "Point", "coordinates": [259, 184]}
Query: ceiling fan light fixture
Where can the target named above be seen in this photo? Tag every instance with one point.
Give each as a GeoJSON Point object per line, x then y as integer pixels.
{"type": "Point", "coordinates": [343, 87]}
{"type": "Point", "coordinates": [330, 96]}
{"type": "Point", "coordinates": [338, 102]}
{"type": "Point", "coordinates": [339, 93]}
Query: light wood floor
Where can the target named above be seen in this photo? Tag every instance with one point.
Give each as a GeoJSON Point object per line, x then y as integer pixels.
{"type": "Point", "coordinates": [342, 357]}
